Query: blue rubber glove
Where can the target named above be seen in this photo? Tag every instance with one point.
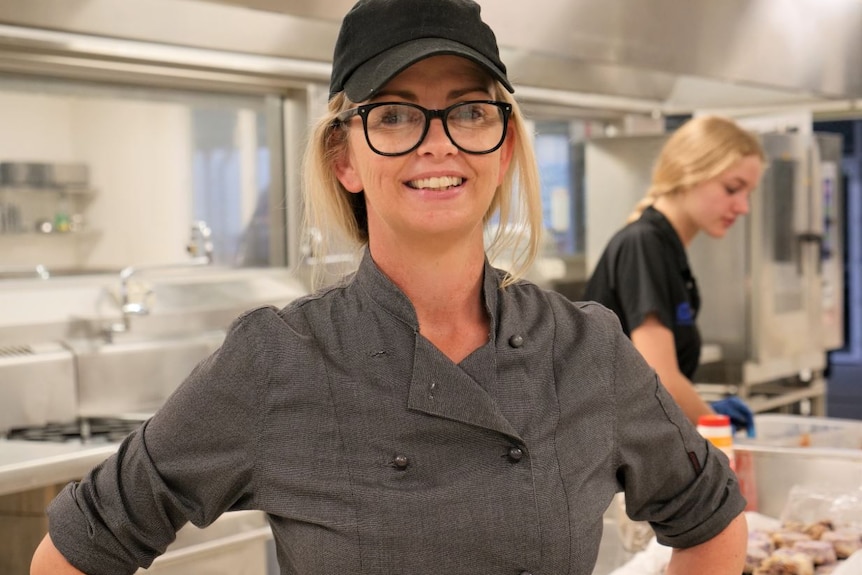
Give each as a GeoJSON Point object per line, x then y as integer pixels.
{"type": "Point", "coordinates": [739, 414]}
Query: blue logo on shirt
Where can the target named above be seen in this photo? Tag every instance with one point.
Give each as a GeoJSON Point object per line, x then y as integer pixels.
{"type": "Point", "coordinates": [684, 315]}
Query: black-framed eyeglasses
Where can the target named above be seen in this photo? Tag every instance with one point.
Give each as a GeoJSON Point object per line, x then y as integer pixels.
{"type": "Point", "coordinates": [398, 128]}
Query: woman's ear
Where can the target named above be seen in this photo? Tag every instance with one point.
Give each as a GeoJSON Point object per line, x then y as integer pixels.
{"type": "Point", "coordinates": [346, 173]}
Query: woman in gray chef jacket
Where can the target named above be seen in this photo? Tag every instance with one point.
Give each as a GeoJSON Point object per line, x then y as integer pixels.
{"type": "Point", "coordinates": [701, 183]}
{"type": "Point", "coordinates": [428, 414]}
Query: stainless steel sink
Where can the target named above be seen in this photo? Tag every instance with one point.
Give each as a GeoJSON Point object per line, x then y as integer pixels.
{"type": "Point", "coordinates": [132, 370]}
{"type": "Point", "coordinates": [136, 376]}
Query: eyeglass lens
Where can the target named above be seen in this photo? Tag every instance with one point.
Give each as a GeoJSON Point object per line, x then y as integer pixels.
{"type": "Point", "coordinates": [476, 127]}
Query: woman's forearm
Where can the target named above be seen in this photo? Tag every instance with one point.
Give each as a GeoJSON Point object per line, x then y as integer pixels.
{"type": "Point", "coordinates": [47, 560]}
{"type": "Point", "coordinates": [655, 343]}
{"type": "Point", "coordinates": [724, 554]}
{"type": "Point", "coordinates": [684, 393]}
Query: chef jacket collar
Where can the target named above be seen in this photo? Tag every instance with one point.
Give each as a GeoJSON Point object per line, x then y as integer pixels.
{"type": "Point", "coordinates": [390, 297]}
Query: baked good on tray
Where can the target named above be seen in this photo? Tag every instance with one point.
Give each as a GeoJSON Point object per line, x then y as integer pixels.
{"type": "Point", "coordinates": [785, 561]}
{"type": "Point", "coordinates": [845, 541]}
{"type": "Point", "coordinates": [821, 552]}
{"type": "Point", "coordinates": [798, 549]}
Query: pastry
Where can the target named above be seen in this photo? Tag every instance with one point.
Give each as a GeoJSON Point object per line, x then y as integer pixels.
{"type": "Point", "coordinates": [818, 528]}
{"type": "Point", "coordinates": [821, 552]}
{"type": "Point", "coordinates": [787, 537]}
{"type": "Point", "coordinates": [845, 541]}
{"type": "Point", "coordinates": [786, 562]}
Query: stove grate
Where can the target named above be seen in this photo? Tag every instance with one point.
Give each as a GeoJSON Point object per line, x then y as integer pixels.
{"type": "Point", "coordinates": [105, 430]}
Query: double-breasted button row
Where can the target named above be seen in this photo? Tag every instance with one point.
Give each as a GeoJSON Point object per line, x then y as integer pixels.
{"type": "Point", "coordinates": [515, 454]}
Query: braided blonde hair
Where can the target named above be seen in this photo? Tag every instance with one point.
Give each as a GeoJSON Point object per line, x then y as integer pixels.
{"type": "Point", "coordinates": [698, 151]}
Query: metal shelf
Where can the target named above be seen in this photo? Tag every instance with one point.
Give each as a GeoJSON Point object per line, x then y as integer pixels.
{"type": "Point", "coordinates": [72, 191]}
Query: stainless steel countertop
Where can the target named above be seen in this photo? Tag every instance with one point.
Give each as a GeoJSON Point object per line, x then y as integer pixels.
{"type": "Point", "coordinates": [28, 465]}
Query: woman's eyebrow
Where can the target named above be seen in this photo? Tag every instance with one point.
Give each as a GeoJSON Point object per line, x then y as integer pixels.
{"type": "Point", "coordinates": [462, 92]}
{"type": "Point", "coordinates": [412, 97]}
{"type": "Point", "coordinates": [404, 94]}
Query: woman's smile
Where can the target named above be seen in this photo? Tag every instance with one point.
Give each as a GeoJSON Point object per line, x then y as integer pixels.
{"type": "Point", "coordinates": [436, 183]}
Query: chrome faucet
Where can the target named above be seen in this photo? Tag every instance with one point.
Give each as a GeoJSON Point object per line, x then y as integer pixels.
{"type": "Point", "coordinates": [200, 244]}
{"type": "Point", "coordinates": [200, 247]}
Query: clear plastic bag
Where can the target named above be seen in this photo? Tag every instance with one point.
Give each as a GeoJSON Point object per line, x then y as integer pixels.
{"type": "Point", "coordinates": [808, 504]}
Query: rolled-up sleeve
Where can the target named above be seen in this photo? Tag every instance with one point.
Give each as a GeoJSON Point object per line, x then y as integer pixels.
{"type": "Point", "coordinates": [672, 476]}
{"type": "Point", "coordinates": [192, 461]}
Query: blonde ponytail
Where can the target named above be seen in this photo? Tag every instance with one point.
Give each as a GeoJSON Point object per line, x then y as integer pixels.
{"type": "Point", "coordinates": [645, 202]}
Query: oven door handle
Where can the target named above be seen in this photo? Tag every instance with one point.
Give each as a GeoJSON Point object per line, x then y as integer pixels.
{"type": "Point", "coordinates": [184, 553]}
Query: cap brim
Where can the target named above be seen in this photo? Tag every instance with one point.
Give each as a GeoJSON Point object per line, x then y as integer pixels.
{"type": "Point", "coordinates": [368, 78]}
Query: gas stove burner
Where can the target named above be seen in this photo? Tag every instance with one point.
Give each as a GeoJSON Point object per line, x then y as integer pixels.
{"type": "Point", "coordinates": [97, 430]}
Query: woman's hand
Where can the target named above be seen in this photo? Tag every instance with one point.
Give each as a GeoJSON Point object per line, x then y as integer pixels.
{"type": "Point", "coordinates": [740, 415]}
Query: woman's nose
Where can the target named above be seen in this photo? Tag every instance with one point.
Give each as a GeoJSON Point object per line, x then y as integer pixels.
{"type": "Point", "coordinates": [742, 203]}
{"type": "Point", "coordinates": [436, 140]}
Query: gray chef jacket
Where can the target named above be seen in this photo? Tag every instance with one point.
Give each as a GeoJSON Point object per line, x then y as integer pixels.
{"type": "Point", "coordinates": [373, 453]}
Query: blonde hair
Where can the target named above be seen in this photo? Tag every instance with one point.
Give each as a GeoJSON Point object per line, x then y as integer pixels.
{"type": "Point", "coordinates": [698, 151]}
{"type": "Point", "coordinates": [338, 220]}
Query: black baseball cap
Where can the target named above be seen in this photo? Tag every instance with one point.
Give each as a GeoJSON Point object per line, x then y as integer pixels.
{"type": "Point", "coordinates": [380, 38]}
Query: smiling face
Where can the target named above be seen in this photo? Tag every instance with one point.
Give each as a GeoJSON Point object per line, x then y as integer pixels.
{"type": "Point", "coordinates": [435, 194]}
{"type": "Point", "coordinates": [714, 205]}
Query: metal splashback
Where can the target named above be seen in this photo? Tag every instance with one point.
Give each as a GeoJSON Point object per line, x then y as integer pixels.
{"type": "Point", "coordinates": [641, 56]}
{"type": "Point", "coordinates": [762, 284]}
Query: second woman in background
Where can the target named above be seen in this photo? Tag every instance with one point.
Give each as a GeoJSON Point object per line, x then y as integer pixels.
{"type": "Point", "coordinates": [701, 183]}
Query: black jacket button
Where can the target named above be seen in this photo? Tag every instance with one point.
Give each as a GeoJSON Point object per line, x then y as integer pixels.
{"type": "Point", "coordinates": [515, 454]}
{"type": "Point", "coordinates": [516, 341]}
{"type": "Point", "coordinates": [401, 462]}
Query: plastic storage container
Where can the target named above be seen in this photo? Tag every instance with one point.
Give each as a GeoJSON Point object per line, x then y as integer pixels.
{"type": "Point", "coordinates": [801, 431]}
{"type": "Point", "coordinates": [792, 450]}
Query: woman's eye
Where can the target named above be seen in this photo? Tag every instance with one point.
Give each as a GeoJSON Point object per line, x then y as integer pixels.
{"type": "Point", "coordinates": [469, 112]}
{"type": "Point", "coordinates": [392, 117]}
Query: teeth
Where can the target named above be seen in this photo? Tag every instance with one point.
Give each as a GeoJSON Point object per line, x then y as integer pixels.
{"type": "Point", "coordinates": [437, 183]}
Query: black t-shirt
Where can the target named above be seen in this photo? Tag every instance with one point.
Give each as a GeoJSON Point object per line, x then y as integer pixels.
{"type": "Point", "coordinates": [644, 269]}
